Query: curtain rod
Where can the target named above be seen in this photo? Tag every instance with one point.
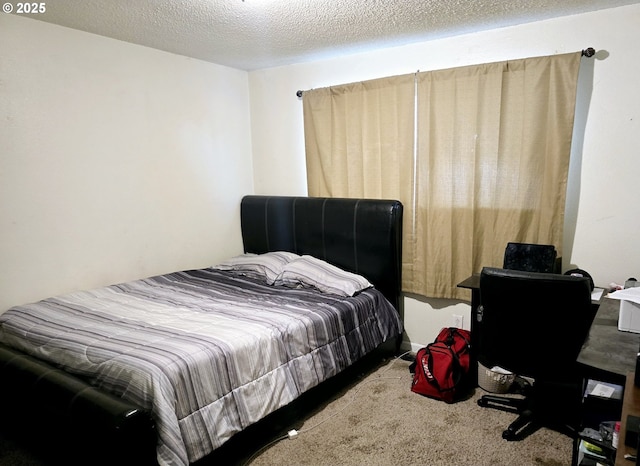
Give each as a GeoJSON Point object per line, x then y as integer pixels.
{"type": "Point", "coordinates": [588, 52]}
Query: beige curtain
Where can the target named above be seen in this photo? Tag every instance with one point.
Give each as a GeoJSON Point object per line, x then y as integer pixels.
{"type": "Point", "coordinates": [359, 138]}
{"type": "Point", "coordinates": [359, 142]}
{"type": "Point", "coordinates": [491, 159]}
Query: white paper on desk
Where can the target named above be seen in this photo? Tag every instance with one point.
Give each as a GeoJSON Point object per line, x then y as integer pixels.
{"type": "Point", "coordinates": [596, 294]}
{"type": "Point", "coordinates": [602, 391]}
{"type": "Point", "coordinates": [628, 294]}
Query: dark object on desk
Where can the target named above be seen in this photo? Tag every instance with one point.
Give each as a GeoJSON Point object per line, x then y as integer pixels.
{"type": "Point", "coordinates": [581, 273]}
{"type": "Point", "coordinates": [529, 257]}
{"type": "Point", "coordinates": [631, 434]}
{"type": "Point", "coordinates": [534, 324]}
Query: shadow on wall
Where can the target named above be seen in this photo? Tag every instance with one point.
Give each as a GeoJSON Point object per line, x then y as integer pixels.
{"type": "Point", "coordinates": [583, 102]}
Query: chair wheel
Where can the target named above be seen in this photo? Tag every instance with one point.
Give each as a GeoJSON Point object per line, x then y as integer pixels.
{"type": "Point", "coordinates": [483, 403]}
{"type": "Point", "coordinates": [509, 435]}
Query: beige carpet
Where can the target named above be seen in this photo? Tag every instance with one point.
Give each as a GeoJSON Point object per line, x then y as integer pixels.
{"type": "Point", "coordinates": [379, 421]}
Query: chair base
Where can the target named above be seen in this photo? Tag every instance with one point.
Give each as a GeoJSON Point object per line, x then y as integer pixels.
{"type": "Point", "coordinates": [537, 409]}
{"type": "Point", "coordinates": [518, 405]}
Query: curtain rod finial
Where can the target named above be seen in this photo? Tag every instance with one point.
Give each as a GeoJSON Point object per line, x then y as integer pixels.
{"type": "Point", "coordinates": [590, 52]}
{"type": "Point", "coordinates": [299, 94]}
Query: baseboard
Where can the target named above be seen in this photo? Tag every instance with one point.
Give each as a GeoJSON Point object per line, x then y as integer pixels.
{"type": "Point", "coordinates": [409, 346]}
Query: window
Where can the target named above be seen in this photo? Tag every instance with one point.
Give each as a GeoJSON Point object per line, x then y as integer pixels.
{"type": "Point", "coordinates": [478, 155]}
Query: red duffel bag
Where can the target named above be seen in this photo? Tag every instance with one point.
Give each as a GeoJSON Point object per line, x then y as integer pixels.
{"type": "Point", "coordinates": [441, 369]}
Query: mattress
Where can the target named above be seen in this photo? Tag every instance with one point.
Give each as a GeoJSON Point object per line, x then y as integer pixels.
{"type": "Point", "coordinates": [208, 352]}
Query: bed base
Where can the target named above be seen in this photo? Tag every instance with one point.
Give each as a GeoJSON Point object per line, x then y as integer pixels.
{"type": "Point", "coordinates": [60, 411]}
{"type": "Point", "coordinates": [359, 235]}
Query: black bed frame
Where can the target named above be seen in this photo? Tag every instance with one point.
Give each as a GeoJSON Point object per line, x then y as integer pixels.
{"type": "Point", "coordinates": [360, 235]}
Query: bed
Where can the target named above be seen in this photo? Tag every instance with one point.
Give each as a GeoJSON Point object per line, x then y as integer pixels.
{"type": "Point", "coordinates": [168, 368]}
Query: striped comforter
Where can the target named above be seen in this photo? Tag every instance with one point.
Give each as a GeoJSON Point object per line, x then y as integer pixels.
{"type": "Point", "coordinates": [207, 351]}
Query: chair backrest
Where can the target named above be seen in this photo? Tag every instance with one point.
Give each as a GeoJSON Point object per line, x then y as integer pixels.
{"type": "Point", "coordinates": [530, 257]}
{"type": "Point", "coordinates": [533, 324]}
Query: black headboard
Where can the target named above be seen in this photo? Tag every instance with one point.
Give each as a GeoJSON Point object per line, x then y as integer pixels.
{"type": "Point", "coordinates": [363, 236]}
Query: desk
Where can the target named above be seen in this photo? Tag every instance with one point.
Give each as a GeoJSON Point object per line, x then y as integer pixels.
{"type": "Point", "coordinates": [473, 283]}
{"type": "Point", "coordinates": [630, 405]}
{"type": "Point", "coordinates": [609, 354]}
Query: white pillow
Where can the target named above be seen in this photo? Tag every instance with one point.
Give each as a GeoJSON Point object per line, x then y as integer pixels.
{"type": "Point", "coordinates": [269, 265]}
{"type": "Point", "coordinates": [310, 271]}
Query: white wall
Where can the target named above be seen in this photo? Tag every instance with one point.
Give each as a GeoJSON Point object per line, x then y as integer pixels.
{"type": "Point", "coordinates": [116, 161]}
{"type": "Point", "coordinates": [603, 219]}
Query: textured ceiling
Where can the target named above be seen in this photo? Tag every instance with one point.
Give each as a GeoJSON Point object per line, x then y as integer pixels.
{"type": "Point", "coordinates": [255, 34]}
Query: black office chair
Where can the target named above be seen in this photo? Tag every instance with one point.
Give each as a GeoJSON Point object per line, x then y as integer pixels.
{"type": "Point", "coordinates": [530, 257]}
{"type": "Point", "coordinates": [534, 325]}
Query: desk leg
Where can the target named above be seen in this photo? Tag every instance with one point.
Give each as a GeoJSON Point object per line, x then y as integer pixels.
{"type": "Point", "coordinates": [475, 335]}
